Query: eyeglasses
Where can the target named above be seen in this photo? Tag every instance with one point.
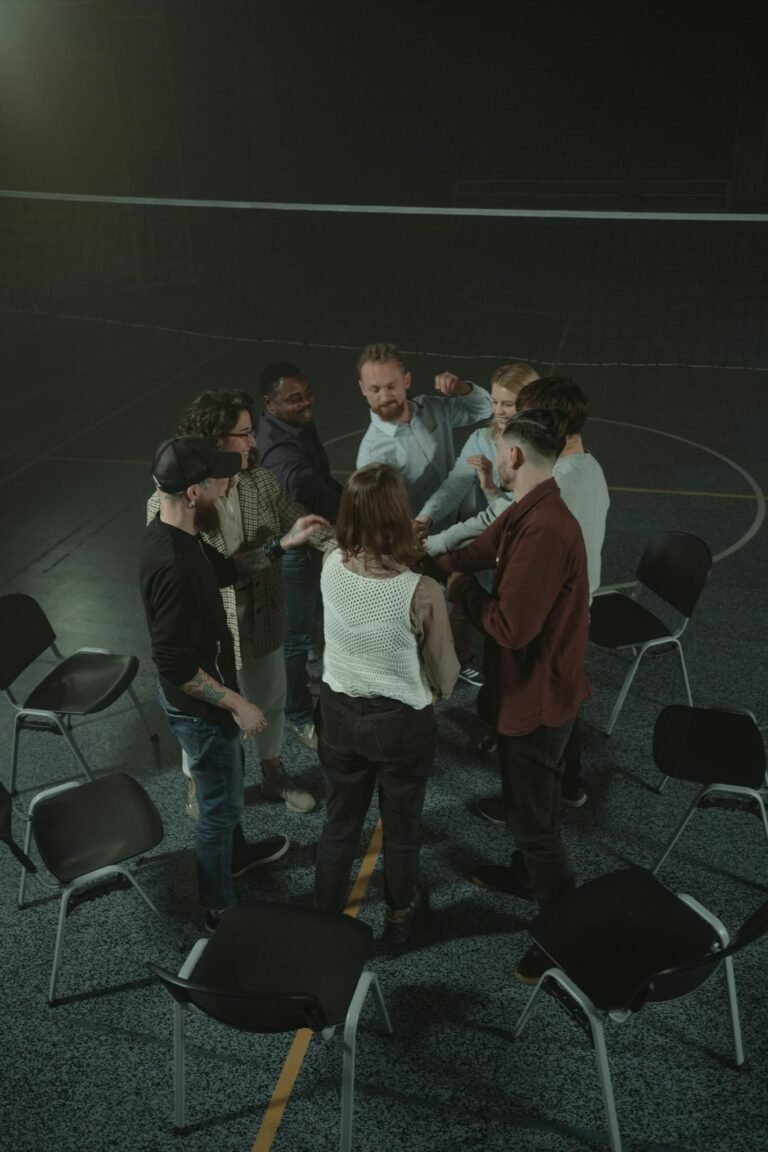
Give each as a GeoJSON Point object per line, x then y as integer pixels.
{"type": "Point", "coordinates": [249, 434]}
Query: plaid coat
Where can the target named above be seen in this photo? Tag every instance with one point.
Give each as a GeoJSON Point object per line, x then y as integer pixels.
{"type": "Point", "coordinates": [266, 512]}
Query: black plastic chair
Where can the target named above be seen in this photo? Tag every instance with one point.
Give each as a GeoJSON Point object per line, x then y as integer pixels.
{"type": "Point", "coordinates": [80, 685]}
{"type": "Point", "coordinates": [277, 968]}
{"type": "Point", "coordinates": [624, 941]}
{"type": "Point", "coordinates": [84, 834]}
{"type": "Point", "coordinates": [720, 748]}
{"type": "Point", "coordinates": [674, 566]}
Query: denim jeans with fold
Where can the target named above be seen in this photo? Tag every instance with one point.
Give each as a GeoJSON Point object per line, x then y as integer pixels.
{"type": "Point", "coordinates": [301, 577]}
{"type": "Point", "coordinates": [365, 742]}
{"type": "Point", "coordinates": [532, 768]}
{"type": "Point", "coordinates": [216, 765]}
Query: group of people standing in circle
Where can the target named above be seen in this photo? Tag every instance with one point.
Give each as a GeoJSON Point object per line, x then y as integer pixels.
{"type": "Point", "coordinates": [413, 559]}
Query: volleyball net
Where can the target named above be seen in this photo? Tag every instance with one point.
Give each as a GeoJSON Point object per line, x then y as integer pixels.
{"type": "Point", "coordinates": [568, 288]}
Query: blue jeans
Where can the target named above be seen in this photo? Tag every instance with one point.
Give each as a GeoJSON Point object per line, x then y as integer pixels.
{"type": "Point", "coordinates": [216, 764]}
{"type": "Point", "coordinates": [301, 576]}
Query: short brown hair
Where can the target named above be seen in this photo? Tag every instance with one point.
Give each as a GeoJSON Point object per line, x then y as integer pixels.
{"type": "Point", "coordinates": [379, 354]}
{"type": "Point", "coordinates": [374, 516]}
{"type": "Point", "coordinates": [560, 393]}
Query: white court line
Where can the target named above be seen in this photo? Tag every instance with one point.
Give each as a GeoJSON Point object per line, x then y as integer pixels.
{"type": "Point", "coordinates": [759, 496]}
{"type": "Point", "coordinates": [388, 209]}
{"type": "Point", "coordinates": [499, 357]}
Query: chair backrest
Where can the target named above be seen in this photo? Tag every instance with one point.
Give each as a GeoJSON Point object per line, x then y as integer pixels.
{"type": "Point", "coordinates": [675, 565]}
{"type": "Point", "coordinates": [6, 830]}
{"type": "Point", "coordinates": [25, 633]}
{"type": "Point", "coordinates": [309, 962]}
{"type": "Point", "coordinates": [709, 745]}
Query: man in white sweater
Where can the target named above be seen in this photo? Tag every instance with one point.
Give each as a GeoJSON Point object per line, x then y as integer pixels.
{"type": "Point", "coordinates": [583, 488]}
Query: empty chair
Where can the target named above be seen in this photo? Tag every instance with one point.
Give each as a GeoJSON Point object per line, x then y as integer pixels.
{"type": "Point", "coordinates": [277, 968]}
{"type": "Point", "coordinates": [80, 685]}
{"type": "Point", "coordinates": [624, 941]}
{"type": "Point", "coordinates": [720, 748]}
{"type": "Point", "coordinates": [674, 566]}
{"type": "Point", "coordinates": [84, 833]}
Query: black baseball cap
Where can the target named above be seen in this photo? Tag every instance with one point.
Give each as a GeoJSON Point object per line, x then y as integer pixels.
{"type": "Point", "coordinates": [185, 460]}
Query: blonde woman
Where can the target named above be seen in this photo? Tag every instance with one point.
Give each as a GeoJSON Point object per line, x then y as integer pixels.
{"type": "Point", "coordinates": [475, 469]}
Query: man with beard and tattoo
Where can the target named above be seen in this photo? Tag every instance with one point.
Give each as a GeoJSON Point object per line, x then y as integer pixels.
{"type": "Point", "coordinates": [193, 649]}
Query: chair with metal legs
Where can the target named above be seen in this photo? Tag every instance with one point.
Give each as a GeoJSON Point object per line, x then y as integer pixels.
{"type": "Point", "coordinates": [84, 833]}
{"type": "Point", "coordinates": [624, 941]}
{"type": "Point", "coordinates": [311, 975]}
{"type": "Point", "coordinates": [675, 567]}
{"type": "Point", "coordinates": [720, 748]}
{"type": "Point", "coordinates": [79, 685]}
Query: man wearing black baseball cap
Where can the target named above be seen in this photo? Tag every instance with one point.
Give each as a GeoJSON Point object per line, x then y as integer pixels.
{"type": "Point", "coordinates": [192, 647]}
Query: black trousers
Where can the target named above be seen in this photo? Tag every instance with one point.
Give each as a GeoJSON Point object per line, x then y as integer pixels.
{"type": "Point", "coordinates": [532, 768]}
{"type": "Point", "coordinates": [364, 742]}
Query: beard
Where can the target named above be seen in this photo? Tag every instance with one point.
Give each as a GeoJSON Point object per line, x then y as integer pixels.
{"type": "Point", "coordinates": [207, 518]}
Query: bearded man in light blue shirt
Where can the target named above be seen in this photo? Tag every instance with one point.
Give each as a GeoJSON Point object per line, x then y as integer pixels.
{"type": "Point", "coordinates": [414, 436]}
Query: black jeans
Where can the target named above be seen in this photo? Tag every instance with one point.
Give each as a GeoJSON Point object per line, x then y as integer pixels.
{"type": "Point", "coordinates": [532, 768]}
{"type": "Point", "coordinates": [363, 741]}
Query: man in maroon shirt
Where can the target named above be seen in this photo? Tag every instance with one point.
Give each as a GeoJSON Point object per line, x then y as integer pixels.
{"type": "Point", "coordinates": [536, 621]}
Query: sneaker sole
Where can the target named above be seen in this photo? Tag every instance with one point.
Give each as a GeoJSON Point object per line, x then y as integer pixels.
{"type": "Point", "coordinates": [575, 803]}
{"type": "Point", "coordinates": [281, 851]}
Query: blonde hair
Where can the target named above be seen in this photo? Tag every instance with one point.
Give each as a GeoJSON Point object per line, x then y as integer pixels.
{"type": "Point", "coordinates": [513, 378]}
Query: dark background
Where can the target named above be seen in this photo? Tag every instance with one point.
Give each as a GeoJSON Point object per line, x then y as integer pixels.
{"type": "Point", "coordinates": [406, 103]}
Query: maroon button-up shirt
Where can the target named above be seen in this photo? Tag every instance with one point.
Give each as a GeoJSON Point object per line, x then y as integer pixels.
{"type": "Point", "coordinates": [537, 616]}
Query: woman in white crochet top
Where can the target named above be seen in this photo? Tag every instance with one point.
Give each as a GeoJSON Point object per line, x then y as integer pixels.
{"type": "Point", "coordinates": [388, 656]}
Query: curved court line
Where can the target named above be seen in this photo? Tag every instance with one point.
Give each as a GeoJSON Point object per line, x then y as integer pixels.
{"type": "Point", "coordinates": [757, 492]}
{"type": "Point", "coordinates": [759, 496]}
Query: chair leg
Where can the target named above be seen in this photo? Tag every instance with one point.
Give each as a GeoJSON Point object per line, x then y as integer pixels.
{"type": "Point", "coordinates": [23, 880]}
{"type": "Point", "coordinates": [733, 1007]}
{"type": "Point", "coordinates": [684, 670]}
{"type": "Point", "coordinates": [606, 1087]}
{"type": "Point", "coordinates": [75, 750]}
{"type": "Point", "coordinates": [680, 829]}
{"type": "Point", "coordinates": [138, 888]}
{"type": "Point", "coordinates": [15, 753]}
{"type": "Point", "coordinates": [624, 692]}
{"type": "Point", "coordinates": [348, 1067]}
{"type": "Point", "coordinates": [179, 1067]}
{"type": "Point", "coordinates": [381, 1007]}
{"type": "Point", "coordinates": [524, 1016]}
{"type": "Point", "coordinates": [57, 950]}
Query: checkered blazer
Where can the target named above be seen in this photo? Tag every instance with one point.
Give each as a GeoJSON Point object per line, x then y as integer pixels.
{"type": "Point", "coordinates": [266, 512]}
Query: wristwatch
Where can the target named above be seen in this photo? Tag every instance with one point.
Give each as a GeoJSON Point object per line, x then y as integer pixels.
{"type": "Point", "coordinates": [273, 549]}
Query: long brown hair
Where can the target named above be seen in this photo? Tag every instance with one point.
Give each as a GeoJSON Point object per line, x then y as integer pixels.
{"type": "Point", "coordinates": [374, 517]}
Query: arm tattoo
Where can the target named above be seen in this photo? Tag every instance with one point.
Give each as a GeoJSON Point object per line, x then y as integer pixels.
{"type": "Point", "coordinates": [204, 687]}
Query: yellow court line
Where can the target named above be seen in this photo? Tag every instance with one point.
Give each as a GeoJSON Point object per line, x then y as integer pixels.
{"type": "Point", "coordinates": [298, 1049]}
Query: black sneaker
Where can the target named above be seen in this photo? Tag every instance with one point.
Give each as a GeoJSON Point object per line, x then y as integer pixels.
{"type": "Point", "coordinates": [487, 743]}
{"type": "Point", "coordinates": [494, 810]}
{"type": "Point", "coordinates": [574, 797]}
{"type": "Point", "coordinates": [262, 852]}
{"type": "Point", "coordinates": [471, 675]}
{"type": "Point", "coordinates": [399, 922]}
{"type": "Point", "coordinates": [532, 965]}
{"type": "Point", "coordinates": [211, 920]}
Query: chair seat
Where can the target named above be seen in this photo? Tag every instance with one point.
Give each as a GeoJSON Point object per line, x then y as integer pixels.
{"type": "Point", "coordinates": [612, 934]}
{"type": "Point", "coordinates": [261, 948]}
{"type": "Point", "coordinates": [105, 822]}
{"type": "Point", "coordinates": [617, 621]}
{"type": "Point", "coordinates": [85, 682]}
